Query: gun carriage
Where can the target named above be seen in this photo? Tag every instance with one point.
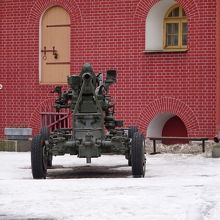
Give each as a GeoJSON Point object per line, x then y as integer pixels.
{"type": "Point", "coordinates": [94, 129]}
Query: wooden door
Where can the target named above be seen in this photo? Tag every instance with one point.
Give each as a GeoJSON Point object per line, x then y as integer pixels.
{"type": "Point", "coordinates": [55, 46]}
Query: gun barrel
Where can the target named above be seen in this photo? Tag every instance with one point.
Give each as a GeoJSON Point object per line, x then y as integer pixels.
{"type": "Point", "coordinates": [86, 76]}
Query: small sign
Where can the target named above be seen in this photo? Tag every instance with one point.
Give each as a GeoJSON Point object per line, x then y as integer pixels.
{"type": "Point", "coordinates": [1, 86]}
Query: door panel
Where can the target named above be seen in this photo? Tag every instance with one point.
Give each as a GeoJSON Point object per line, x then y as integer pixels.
{"type": "Point", "coordinates": [55, 46]}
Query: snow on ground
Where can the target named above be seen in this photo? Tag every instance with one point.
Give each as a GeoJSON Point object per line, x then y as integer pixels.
{"type": "Point", "coordinates": [176, 187]}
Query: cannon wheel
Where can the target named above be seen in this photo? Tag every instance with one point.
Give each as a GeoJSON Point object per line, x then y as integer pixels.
{"type": "Point", "coordinates": [131, 130]}
{"type": "Point", "coordinates": [45, 132]}
{"type": "Point", "coordinates": [38, 157]}
{"type": "Point", "coordinates": [138, 160]}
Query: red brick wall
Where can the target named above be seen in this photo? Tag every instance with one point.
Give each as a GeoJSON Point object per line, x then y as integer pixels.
{"type": "Point", "coordinates": [111, 34]}
{"type": "Point", "coordinates": [218, 65]}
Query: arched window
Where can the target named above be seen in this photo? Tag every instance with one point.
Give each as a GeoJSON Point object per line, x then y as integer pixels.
{"type": "Point", "coordinates": [54, 46]}
{"type": "Point", "coordinates": [175, 28]}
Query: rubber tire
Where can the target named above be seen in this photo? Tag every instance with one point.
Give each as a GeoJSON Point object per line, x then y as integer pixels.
{"type": "Point", "coordinates": [138, 160]}
{"type": "Point", "coordinates": [38, 166]}
{"type": "Point", "coordinates": [49, 161]}
{"type": "Point", "coordinates": [45, 132]}
{"type": "Point", "coordinates": [131, 130]}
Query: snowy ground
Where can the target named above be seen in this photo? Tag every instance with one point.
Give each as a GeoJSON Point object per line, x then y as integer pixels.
{"type": "Point", "coordinates": [176, 187]}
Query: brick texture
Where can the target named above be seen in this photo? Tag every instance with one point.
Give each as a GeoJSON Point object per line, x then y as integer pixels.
{"type": "Point", "coordinates": [111, 35]}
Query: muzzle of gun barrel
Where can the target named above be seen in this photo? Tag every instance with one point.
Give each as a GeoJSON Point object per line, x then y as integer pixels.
{"type": "Point", "coordinates": [87, 76]}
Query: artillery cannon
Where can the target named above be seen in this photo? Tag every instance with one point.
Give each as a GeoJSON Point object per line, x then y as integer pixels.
{"type": "Point", "coordinates": [94, 129]}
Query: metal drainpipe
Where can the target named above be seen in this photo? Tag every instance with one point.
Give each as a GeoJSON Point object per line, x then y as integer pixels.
{"type": "Point", "coordinates": [218, 65]}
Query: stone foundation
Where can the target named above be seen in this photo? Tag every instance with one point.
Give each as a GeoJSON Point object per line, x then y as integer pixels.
{"type": "Point", "coordinates": [216, 151]}
{"type": "Point", "coordinates": [17, 145]}
{"type": "Point", "coordinates": [191, 148]}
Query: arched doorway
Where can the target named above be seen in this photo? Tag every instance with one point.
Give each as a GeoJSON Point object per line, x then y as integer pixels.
{"type": "Point", "coordinates": [169, 125]}
{"type": "Point", "coordinates": [174, 127]}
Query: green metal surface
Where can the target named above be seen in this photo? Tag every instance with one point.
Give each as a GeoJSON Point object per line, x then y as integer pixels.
{"type": "Point", "coordinates": [94, 129]}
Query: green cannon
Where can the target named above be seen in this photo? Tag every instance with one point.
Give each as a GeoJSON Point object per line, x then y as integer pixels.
{"type": "Point", "coordinates": [94, 129]}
